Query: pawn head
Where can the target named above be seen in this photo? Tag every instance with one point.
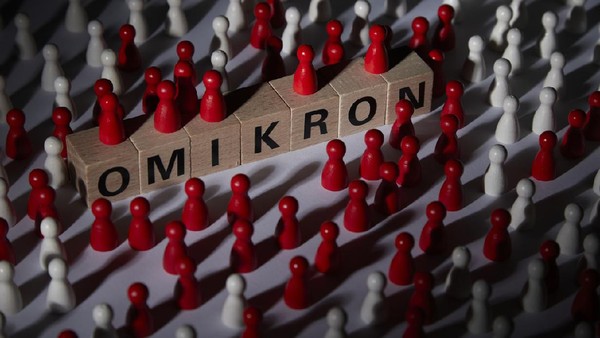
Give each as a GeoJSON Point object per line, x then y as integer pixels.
{"type": "Point", "coordinates": [461, 256]}
{"type": "Point", "coordinates": [175, 231]}
{"type": "Point", "coordinates": [336, 318]}
{"type": "Point", "coordinates": [109, 102]}
{"type": "Point", "coordinates": [589, 278]}
{"type": "Point", "coordinates": [242, 229]}
{"type": "Point", "coordinates": [166, 89]}
{"type": "Point", "coordinates": [377, 33]}
{"type": "Point", "coordinates": [576, 118]}
{"type": "Point", "coordinates": [503, 13]}
{"type": "Point", "coordinates": [449, 124]}
{"type": "Point", "coordinates": [49, 227]}
{"type": "Point", "coordinates": [548, 95]}
{"type": "Point", "coordinates": [334, 28]}
{"type": "Point", "coordinates": [183, 69]}
{"type": "Point", "coordinates": [194, 187]}
{"type": "Point", "coordinates": [454, 89]}
{"type": "Point", "coordinates": [591, 243]}
{"type": "Point", "coordinates": [152, 75]}
{"type": "Point", "coordinates": [57, 268]}
{"type": "Point", "coordinates": [95, 28]}
{"type": "Point", "coordinates": [404, 109]}
{"type": "Point", "coordinates": [298, 265]}
{"type": "Point", "coordinates": [127, 32]}
{"type": "Point", "coordinates": [336, 149]}
{"type": "Point", "coordinates": [102, 314]}
{"type": "Point", "coordinates": [476, 44]}
{"type": "Point", "coordinates": [305, 54]}
{"type": "Point", "coordinates": [388, 171]}
{"type": "Point", "coordinates": [514, 37]}
{"type": "Point", "coordinates": [186, 266]}
{"type": "Point", "coordinates": [240, 183]}
{"type": "Point", "coordinates": [50, 52]}
{"type": "Point", "coordinates": [573, 213]}
{"type": "Point", "coordinates": [420, 25]}
{"type": "Point", "coordinates": [329, 231]}
{"type": "Point", "coordinates": [101, 207]}
{"type": "Point", "coordinates": [594, 99]}
{"type": "Point", "coordinates": [415, 316]}
{"type": "Point", "coordinates": [502, 67]}
{"type": "Point", "coordinates": [108, 57]}
{"type": "Point", "coordinates": [185, 50]}
{"type": "Point", "coordinates": [292, 16]}
{"type": "Point", "coordinates": [536, 268]}
{"type": "Point", "coordinates": [62, 85]}
{"type": "Point", "coordinates": [102, 87]}
{"type": "Point", "coordinates": [38, 178]}
{"type": "Point", "coordinates": [510, 105]}
{"type": "Point", "coordinates": [7, 271]}
{"type": "Point", "coordinates": [236, 284]}
{"type": "Point", "coordinates": [446, 13]}
{"type": "Point", "coordinates": [220, 24]}
{"type": "Point", "coordinates": [218, 59]}
{"type": "Point", "coordinates": [500, 218]}
{"type": "Point", "coordinates": [262, 11]}
{"type": "Point", "coordinates": [549, 250]}
{"type": "Point", "coordinates": [212, 79]}
{"type": "Point", "coordinates": [288, 206]}
{"type": "Point", "coordinates": [139, 207]}
{"type": "Point", "coordinates": [435, 211]}
{"type": "Point", "coordinates": [22, 21]}
{"type": "Point", "coordinates": [252, 316]}
{"type": "Point", "coordinates": [376, 281]}
{"type": "Point", "coordinates": [404, 241]}
{"type": "Point", "coordinates": [423, 280]}
{"type": "Point", "coordinates": [137, 293]}
{"type": "Point", "coordinates": [497, 153]}
{"type": "Point", "coordinates": [53, 146]}
{"type": "Point", "coordinates": [453, 168]}
{"type": "Point", "coordinates": [362, 9]}
{"type": "Point", "coordinates": [61, 116]}
{"type": "Point", "coordinates": [557, 60]}
{"type": "Point", "coordinates": [481, 290]}
{"type": "Point", "coordinates": [525, 188]}
{"type": "Point", "coordinates": [15, 117]}
{"type": "Point", "coordinates": [547, 139]}
{"type": "Point", "coordinates": [358, 189]}
{"type": "Point", "coordinates": [374, 138]}
{"type": "Point", "coordinates": [549, 20]}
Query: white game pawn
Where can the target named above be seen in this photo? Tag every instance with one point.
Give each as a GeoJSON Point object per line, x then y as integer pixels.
{"type": "Point", "coordinates": [556, 75]}
{"type": "Point", "coordinates": [473, 70]}
{"type": "Point", "coordinates": [185, 331]}
{"type": "Point", "coordinates": [176, 23]}
{"type": "Point", "coordinates": [336, 320]}
{"type": "Point", "coordinates": [11, 301]}
{"type": "Point", "coordinates": [548, 41]}
{"type": "Point", "coordinates": [584, 330]}
{"type": "Point", "coordinates": [51, 246]}
{"type": "Point", "coordinates": [596, 56]}
{"type": "Point", "coordinates": [61, 296]}
{"type": "Point", "coordinates": [3, 173]}
{"type": "Point", "coordinates": [512, 52]}
{"type": "Point", "coordinates": [535, 298]}
{"type": "Point", "coordinates": [5, 101]}
{"type": "Point", "coordinates": [96, 45]}
{"type": "Point", "coordinates": [7, 210]}
{"type": "Point", "coordinates": [591, 249]}
{"type": "Point", "coordinates": [24, 39]}
{"type": "Point", "coordinates": [395, 8]}
{"type": "Point", "coordinates": [138, 21]}
{"type": "Point", "coordinates": [576, 22]}
{"type": "Point", "coordinates": [102, 315]}
{"type": "Point", "coordinates": [494, 180]}
{"type": "Point", "coordinates": [319, 10]}
{"type": "Point", "coordinates": [373, 310]}
{"type": "Point", "coordinates": [110, 71]}
{"type": "Point", "coordinates": [76, 18]}
{"type": "Point", "coordinates": [52, 68]}
{"type": "Point", "coordinates": [569, 236]}
{"type": "Point", "coordinates": [507, 129]}
{"type": "Point", "coordinates": [522, 212]}
{"type": "Point", "coordinates": [479, 317]}
{"type": "Point", "coordinates": [291, 36]}
{"type": "Point", "coordinates": [497, 39]}
{"type": "Point", "coordinates": [220, 41]}
{"type": "Point", "coordinates": [595, 212]}
{"type": "Point", "coordinates": [359, 35]}
{"type": "Point", "coordinates": [458, 280]}
{"type": "Point", "coordinates": [218, 59]}
{"type": "Point", "coordinates": [237, 16]}
{"type": "Point", "coordinates": [543, 119]}
{"type": "Point", "coordinates": [499, 88]}
{"type": "Point", "coordinates": [54, 164]}
{"type": "Point", "coordinates": [232, 314]}
{"type": "Point", "coordinates": [502, 327]}
{"type": "Point", "coordinates": [519, 14]}
{"type": "Point", "coordinates": [62, 87]}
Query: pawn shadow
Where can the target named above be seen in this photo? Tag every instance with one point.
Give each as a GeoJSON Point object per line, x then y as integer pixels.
{"type": "Point", "coordinates": [201, 249]}
{"type": "Point", "coordinates": [213, 283]}
{"type": "Point", "coordinates": [76, 245]}
{"type": "Point", "coordinates": [23, 244]}
{"type": "Point", "coordinates": [311, 223]}
{"type": "Point", "coordinates": [295, 327]}
{"type": "Point", "coordinates": [34, 287]}
{"type": "Point", "coordinates": [268, 298]}
{"type": "Point", "coordinates": [266, 250]}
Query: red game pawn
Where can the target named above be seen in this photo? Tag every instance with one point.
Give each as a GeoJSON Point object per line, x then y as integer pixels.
{"type": "Point", "coordinates": [139, 317]}
{"type": "Point", "coordinates": [402, 267]}
{"type": "Point", "coordinates": [287, 231]}
{"type": "Point", "coordinates": [409, 166]}
{"type": "Point", "coordinates": [61, 117]}
{"type": "Point", "coordinates": [18, 145]}
{"type": "Point", "coordinates": [195, 211]}
{"type": "Point", "coordinates": [103, 234]}
{"type": "Point", "coordinates": [185, 53]}
{"type": "Point", "coordinates": [453, 104]}
{"type": "Point", "coordinates": [38, 179]}
{"type": "Point", "coordinates": [273, 66]}
{"type": "Point", "coordinates": [333, 51]}
{"type": "Point", "coordinates": [334, 176]}
{"type": "Point", "coordinates": [129, 59]}
{"type": "Point", "coordinates": [327, 257]}
{"type": "Point", "coordinates": [67, 334]}
{"type": "Point", "coordinates": [447, 144]}
{"type": "Point", "coordinates": [101, 88]}
{"type": "Point", "coordinates": [586, 305]}
{"type": "Point", "coordinates": [277, 14]}
{"type": "Point", "coordinates": [497, 245]}
{"type": "Point", "coordinates": [543, 167]}
{"type": "Point", "coordinates": [451, 191]}
{"type": "Point", "coordinates": [111, 130]}
{"type": "Point", "coordinates": [432, 236]}
{"type": "Point", "coordinates": [243, 257]}
{"type": "Point", "coordinates": [387, 199]}
{"type": "Point", "coordinates": [296, 289]}
{"type": "Point", "coordinates": [550, 250]}
{"type": "Point", "coordinates": [356, 215]}
{"type": "Point", "coordinates": [240, 204]}
{"type": "Point", "coordinates": [591, 130]}
{"type": "Point", "coordinates": [418, 41]}
{"type": "Point", "coordinates": [176, 247]}
{"type": "Point", "coordinates": [415, 321]}
{"type": "Point", "coordinates": [167, 117]}
{"type": "Point", "coordinates": [305, 77]}
{"type": "Point", "coordinates": [186, 96]}
{"type": "Point", "coordinates": [46, 197]}
{"type": "Point", "coordinates": [152, 76]}
{"type": "Point", "coordinates": [376, 58]}
{"type": "Point", "coordinates": [212, 104]}
{"type": "Point", "coordinates": [444, 38]}
{"type": "Point", "coordinates": [422, 297]}
{"type": "Point", "coordinates": [372, 156]}
{"type": "Point", "coordinates": [402, 125]}
{"type": "Point", "coordinates": [6, 249]}
{"type": "Point", "coordinates": [262, 26]}
{"type": "Point", "coordinates": [187, 293]}
{"type": "Point", "coordinates": [252, 318]}
{"type": "Point", "coordinates": [435, 61]}
{"type": "Point", "coordinates": [573, 141]}
{"type": "Point", "coordinates": [141, 230]}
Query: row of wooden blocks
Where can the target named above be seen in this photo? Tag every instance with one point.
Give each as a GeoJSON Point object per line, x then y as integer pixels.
{"type": "Point", "coordinates": [264, 120]}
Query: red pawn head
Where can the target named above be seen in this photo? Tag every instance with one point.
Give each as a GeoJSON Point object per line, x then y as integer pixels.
{"type": "Point", "coordinates": [449, 124]}
{"type": "Point", "coordinates": [336, 149]}
{"type": "Point", "coordinates": [262, 11]}
{"type": "Point", "coordinates": [358, 189]}
{"type": "Point", "coordinates": [252, 316]}
{"type": "Point", "coordinates": [138, 293]}
{"type": "Point", "coordinates": [152, 76]}
{"type": "Point", "coordinates": [298, 266]}
{"type": "Point", "coordinates": [335, 54]}
{"type": "Point", "coordinates": [373, 138]}
{"type": "Point", "coordinates": [404, 242]}
{"type": "Point", "coordinates": [454, 89]}
{"type": "Point", "coordinates": [139, 207]}
{"type": "Point", "coordinates": [212, 80]}
{"type": "Point", "coordinates": [589, 279]}
{"type": "Point", "coordinates": [329, 231]}
{"type": "Point", "coordinates": [242, 229]}
{"type": "Point", "coordinates": [15, 118]}
{"type": "Point", "coordinates": [127, 33]}
{"type": "Point", "coordinates": [547, 140]}
{"type": "Point", "coordinates": [446, 13]}
{"type": "Point", "coordinates": [166, 90]}
{"type": "Point", "coordinates": [436, 211]}
{"type": "Point", "coordinates": [500, 218]}
{"type": "Point", "coordinates": [377, 33]}
{"type": "Point", "coordinates": [420, 26]}
{"type": "Point", "coordinates": [101, 208]}
{"type": "Point", "coordinates": [61, 116]}
{"type": "Point", "coordinates": [102, 87]}
{"type": "Point", "coordinates": [186, 266]}
{"type": "Point", "coordinates": [274, 44]}
{"type": "Point", "coordinates": [436, 55]}
{"type": "Point", "coordinates": [183, 70]}
{"type": "Point", "coordinates": [288, 206]}
{"type": "Point", "coordinates": [185, 50]}
{"type": "Point", "coordinates": [594, 100]}
{"type": "Point", "coordinates": [453, 168]}
{"type": "Point", "coordinates": [410, 145]}
{"type": "Point", "coordinates": [404, 110]}
{"type": "Point", "coordinates": [334, 29]}
{"type": "Point", "coordinates": [46, 195]}
{"type": "Point", "coordinates": [67, 334]}
{"type": "Point", "coordinates": [175, 231]}
{"type": "Point", "coordinates": [194, 188]}
{"type": "Point", "coordinates": [549, 250]}
{"type": "Point", "coordinates": [576, 118]}
{"type": "Point", "coordinates": [388, 171]}
{"type": "Point", "coordinates": [38, 178]}
{"type": "Point", "coordinates": [240, 184]}
{"type": "Point", "coordinates": [109, 102]}
{"type": "Point", "coordinates": [423, 280]}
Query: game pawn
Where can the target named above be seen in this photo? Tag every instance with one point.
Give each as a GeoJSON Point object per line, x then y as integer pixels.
{"type": "Point", "coordinates": [591, 129]}
{"type": "Point", "coordinates": [451, 190]}
{"type": "Point", "coordinates": [569, 235]}
{"type": "Point", "coordinates": [61, 295]}
{"type": "Point", "coordinates": [243, 258]}
{"type": "Point", "coordinates": [373, 310]}
{"type": "Point", "coordinates": [497, 245]}
{"type": "Point", "coordinates": [327, 257]}
{"type": "Point", "coordinates": [305, 77]}
{"type": "Point", "coordinates": [61, 117]}
{"type": "Point", "coordinates": [432, 236]}
{"type": "Point", "coordinates": [447, 146]}
{"type": "Point", "coordinates": [497, 40]}
{"type": "Point", "coordinates": [376, 58]}
{"type": "Point", "coordinates": [543, 167]}
{"type": "Point", "coordinates": [129, 58]}
{"type": "Point", "coordinates": [402, 267]}
{"type": "Point", "coordinates": [572, 145]}
{"type": "Point", "coordinates": [54, 163]}
{"type": "Point", "coordinates": [103, 234]}
{"type": "Point", "coordinates": [444, 37]}
{"type": "Point", "coordinates": [508, 130]}
{"type": "Point", "coordinates": [291, 36]}
{"type": "Point", "coordinates": [422, 297]}
{"type": "Point", "coordinates": [435, 60]}
{"type": "Point", "coordinates": [218, 60]}
{"type": "Point", "coordinates": [402, 125]}
{"type": "Point", "coordinates": [556, 76]}
{"type": "Point", "coordinates": [585, 305]}
{"type": "Point", "coordinates": [232, 314]}
{"type": "Point", "coordinates": [319, 10]}
{"type": "Point", "coordinates": [152, 77]}
{"type": "Point", "coordinates": [186, 96]}
{"type": "Point", "coordinates": [138, 21]}
{"type": "Point", "coordinates": [262, 26]}
{"type": "Point", "coordinates": [548, 41]}
{"type": "Point", "coordinates": [6, 249]}
{"type": "Point", "coordinates": [185, 52]}
{"type": "Point", "coordinates": [387, 199]}
{"type": "Point", "coordinates": [167, 117]}
{"type": "Point", "coordinates": [237, 16]}
{"type": "Point", "coordinates": [273, 66]}
{"type": "Point", "coordinates": [334, 29]}
{"type": "Point", "coordinates": [549, 251]}
{"type": "Point", "coordinates": [101, 88]}
{"type": "Point", "coordinates": [195, 211]}
{"type": "Point", "coordinates": [176, 247]}
{"type": "Point", "coordinates": [356, 214]}
{"type": "Point", "coordinates": [409, 166]}
{"type": "Point", "coordinates": [453, 104]}
{"type": "Point", "coordinates": [535, 297]}
{"type": "Point", "coordinates": [522, 211]}
{"type": "Point", "coordinates": [62, 87]}
{"type": "Point", "coordinates": [479, 316]}
{"type": "Point", "coordinates": [418, 41]}
{"type": "Point", "coordinates": [7, 209]}
{"type": "Point", "coordinates": [17, 146]}
{"type": "Point", "coordinates": [38, 180]}
{"type": "Point", "coordinates": [296, 293]}
{"type": "Point", "coordinates": [141, 231]}
{"type": "Point", "coordinates": [543, 119]}
{"type": "Point", "coordinates": [334, 176]}
{"type": "Point", "coordinates": [111, 130]}
{"type": "Point", "coordinates": [336, 321]}
{"type": "Point", "coordinates": [103, 314]}
{"type": "Point", "coordinates": [359, 35]}
{"type": "Point", "coordinates": [52, 68]}
{"type": "Point", "coordinates": [187, 292]}
{"type": "Point", "coordinates": [474, 69]}
{"type": "Point", "coordinates": [176, 24]}
{"type": "Point", "coordinates": [590, 258]}
{"type": "Point", "coordinates": [47, 208]}
{"type": "Point", "coordinates": [240, 204]}
{"type": "Point", "coordinates": [51, 246]}
{"type": "Point", "coordinates": [372, 157]}
{"type": "Point", "coordinates": [212, 103]}
{"type": "Point", "coordinates": [458, 281]}
{"type": "Point", "coordinates": [220, 41]}
{"type": "Point", "coordinates": [252, 320]}
{"type": "Point", "coordinates": [139, 317]}
{"type": "Point", "coordinates": [499, 88]}
{"type": "Point", "coordinates": [11, 301]}
{"type": "Point", "coordinates": [494, 180]}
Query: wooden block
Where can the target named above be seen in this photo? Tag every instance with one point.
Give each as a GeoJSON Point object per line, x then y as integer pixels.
{"type": "Point", "coordinates": [164, 159]}
{"type": "Point", "coordinates": [98, 170]}
{"type": "Point", "coordinates": [363, 98]}
{"type": "Point", "coordinates": [265, 123]}
{"type": "Point", "coordinates": [410, 79]}
{"type": "Point", "coordinates": [314, 117]}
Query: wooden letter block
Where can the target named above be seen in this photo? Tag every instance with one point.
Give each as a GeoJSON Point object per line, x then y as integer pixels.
{"type": "Point", "coordinates": [164, 159]}
{"type": "Point", "coordinates": [98, 170]}
{"type": "Point", "coordinates": [314, 117]}
{"type": "Point", "coordinates": [265, 123]}
{"type": "Point", "coordinates": [363, 98]}
{"type": "Point", "coordinates": [410, 79]}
